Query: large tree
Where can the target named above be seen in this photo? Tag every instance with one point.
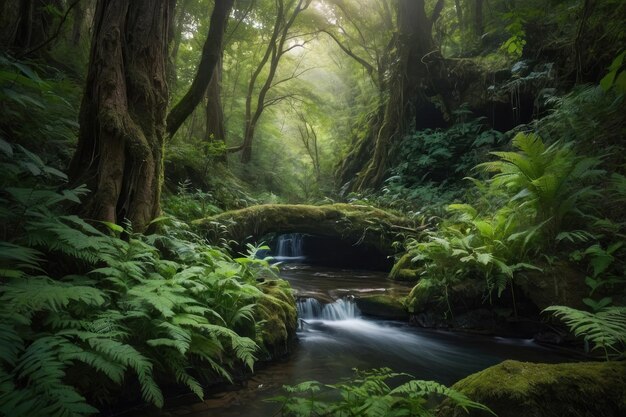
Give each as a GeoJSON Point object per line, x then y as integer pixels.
{"type": "Point", "coordinates": [122, 117]}
{"type": "Point", "coordinates": [417, 74]}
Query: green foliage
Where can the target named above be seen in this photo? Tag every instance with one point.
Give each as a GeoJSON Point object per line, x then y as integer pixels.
{"type": "Point", "coordinates": [468, 245]}
{"type": "Point", "coordinates": [38, 101]}
{"type": "Point", "coordinates": [444, 155]}
{"type": "Point", "coordinates": [605, 328]}
{"type": "Point", "coordinates": [552, 179]}
{"type": "Point", "coordinates": [616, 77]}
{"type": "Point", "coordinates": [369, 394]}
{"type": "Point", "coordinates": [190, 204]}
{"type": "Point", "coordinates": [154, 309]}
{"type": "Point", "coordinates": [430, 164]}
{"type": "Point", "coordinates": [517, 213]}
{"type": "Point", "coordinates": [514, 45]}
{"type": "Point", "coordinates": [605, 325]}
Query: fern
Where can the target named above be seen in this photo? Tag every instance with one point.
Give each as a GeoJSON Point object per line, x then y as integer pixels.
{"type": "Point", "coordinates": [368, 394]}
{"type": "Point", "coordinates": [605, 329]}
{"type": "Point", "coordinates": [131, 311]}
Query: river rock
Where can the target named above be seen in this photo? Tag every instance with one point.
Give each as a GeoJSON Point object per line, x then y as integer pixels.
{"type": "Point", "coordinates": [384, 306]}
{"type": "Point", "coordinates": [519, 389]}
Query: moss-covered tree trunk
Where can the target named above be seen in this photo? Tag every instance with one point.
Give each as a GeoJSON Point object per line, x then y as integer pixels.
{"type": "Point", "coordinates": [416, 65]}
{"type": "Point", "coordinates": [122, 117]}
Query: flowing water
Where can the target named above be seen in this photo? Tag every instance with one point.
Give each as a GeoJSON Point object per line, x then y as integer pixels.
{"type": "Point", "coordinates": [289, 248]}
{"type": "Point", "coordinates": [334, 338]}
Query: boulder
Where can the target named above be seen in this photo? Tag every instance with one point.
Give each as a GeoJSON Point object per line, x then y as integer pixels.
{"type": "Point", "coordinates": [559, 284]}
{"type": "Point", "coordinates": [518, 389]}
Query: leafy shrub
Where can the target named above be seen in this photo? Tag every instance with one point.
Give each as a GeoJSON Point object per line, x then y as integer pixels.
{"type": "Point", "coordinates": [148, 309]}
{"type": "Point", "coordinates": [38, 101]}
{"type": "Point", "coordinates": [605, 325]}
{"type": "Point", "coordinates": [552, 179]}
{"type": "Point", "coordinates": [444, 155]}
{"type": "Point", "coordinates": [517, 213]}
{"type": "Point", "coordinates": [190, 204]}
{"type": "Point", "coordinates": [368, 394]}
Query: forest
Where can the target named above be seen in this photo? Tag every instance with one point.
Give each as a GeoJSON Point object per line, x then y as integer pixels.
{"type": "Point", "coordinates": [312, 208]}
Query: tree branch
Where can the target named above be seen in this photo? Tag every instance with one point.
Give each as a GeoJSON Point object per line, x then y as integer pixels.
{"type": "Point", "coordinates": [368, 67]}
{"type": "Point", "coordinates": [211, 53]}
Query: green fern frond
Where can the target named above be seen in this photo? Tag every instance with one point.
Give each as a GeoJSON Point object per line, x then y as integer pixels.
{"type": "Point", "coordinates": [605, 329]}
{"type": "Point", "coordinates": [42, 293]}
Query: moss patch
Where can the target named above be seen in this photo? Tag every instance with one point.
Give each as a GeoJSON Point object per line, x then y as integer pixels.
{"type": "Point", "coordinates": [403, 270]}
{"type": "Point", "coordinates": [517, 389]}
{"type": "Point", "coordinates": [383, 305]}
{"type": "Point", "coordinates": [420, 297]}
{"type": "Point", "coordinates": [278, 316]}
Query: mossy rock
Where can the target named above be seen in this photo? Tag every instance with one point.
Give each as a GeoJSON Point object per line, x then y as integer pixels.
{"type": "Point", "coordinates": [358, 224]}
{"type": "Point", "coordinates": [384, 306]}
{"type": "Point", "coordinates": [559, 284]}
{"type": "Point", "coordinates": [279, 317]}
{"type": "Point", "coordinates": [403, 270]}
{"type": "Point", "coordinates": [420, 297]}
{"type": "Point", "coordinates": [518, 389]}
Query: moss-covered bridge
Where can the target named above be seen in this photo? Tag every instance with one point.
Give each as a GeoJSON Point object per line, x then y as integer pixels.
{"type": "Point", "coordinates": [357, 224]}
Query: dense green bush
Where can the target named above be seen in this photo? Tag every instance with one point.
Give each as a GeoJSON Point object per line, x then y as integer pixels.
{"type": "Point", "coordinates": [85, 310]}
{"type": "Point", "coordinates": [39, 105]}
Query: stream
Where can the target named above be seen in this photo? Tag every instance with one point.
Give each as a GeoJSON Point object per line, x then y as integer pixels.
{"type": "Point", "coordinates": [334, 338]}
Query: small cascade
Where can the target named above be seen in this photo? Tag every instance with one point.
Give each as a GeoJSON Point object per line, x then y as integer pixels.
{"type": "Point", "coordinates": [342, 309]}
{"type": "Point", "coordinates": [289, 247]}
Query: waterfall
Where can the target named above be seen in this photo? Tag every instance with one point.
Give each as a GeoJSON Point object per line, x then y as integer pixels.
{"type": "Point", "coordinates": [342, 309]}
{"type": "Point", "coordinates": [289, 247]}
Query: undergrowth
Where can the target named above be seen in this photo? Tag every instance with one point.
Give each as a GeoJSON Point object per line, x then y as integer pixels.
{"type": "Point", "coordinates": [92, 314]}
{"type": "Point", "coordinates": [370, 394]}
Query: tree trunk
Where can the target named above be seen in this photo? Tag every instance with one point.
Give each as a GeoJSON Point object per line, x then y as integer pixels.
{"type": "Point", "coordinates": [122, 117]}
{"type": "Point", "coordinates": [215, 130]}
{"type": "Point", "coordinates": [25, 23]}
{"type": "Point", "coordinates": [478, 17]}
{"type": "Point", "coordinates": [83, 16]}
{"type": "Point", "coordinates": [276, 48]}
{"type": "Point", "coordinates": [416, 61]}
{"type": "Point", "coordinates": [246, 147]}
{"type": "Point", "coordinates": [215, 126]}
{"type": "Point", "coordinates": [211, 54]}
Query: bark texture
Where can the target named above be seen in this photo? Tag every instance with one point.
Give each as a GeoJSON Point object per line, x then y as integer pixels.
{"type": "Point", "coordinates": [418, 65]}
{"type": "Point", "coordinates": [122, 118]}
